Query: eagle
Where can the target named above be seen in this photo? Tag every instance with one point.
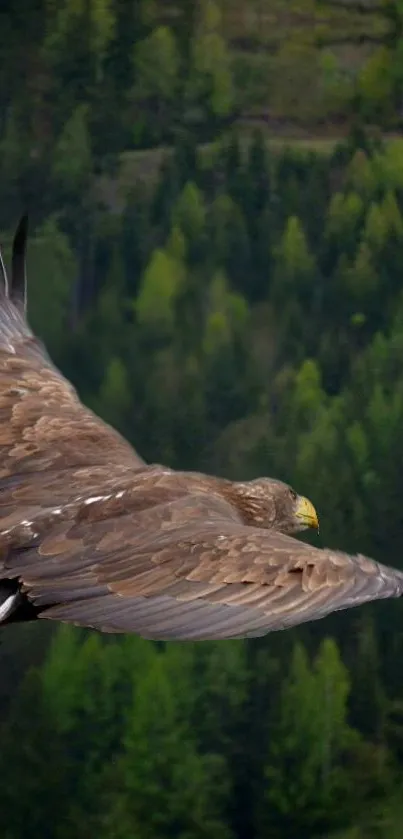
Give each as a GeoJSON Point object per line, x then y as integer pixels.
{"type": "Point", "coordinates": [92, 535]}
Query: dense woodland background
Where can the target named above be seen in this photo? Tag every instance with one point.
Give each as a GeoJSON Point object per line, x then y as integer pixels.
{"type": "Point", "coordinates": [216, 261]}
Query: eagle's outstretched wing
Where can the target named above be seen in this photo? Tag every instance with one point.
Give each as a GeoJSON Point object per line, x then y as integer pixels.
{"type": "Point", "coordinates": [183, 569]}
{"type": "Point", "coordinates": [51, 446]}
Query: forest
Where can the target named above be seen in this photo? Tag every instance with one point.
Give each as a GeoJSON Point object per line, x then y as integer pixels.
{"type": "Point", "coordinates": [215, 193]}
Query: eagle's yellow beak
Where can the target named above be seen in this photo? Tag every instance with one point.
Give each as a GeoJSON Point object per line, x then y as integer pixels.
{"type": "Point", "coordinates": [305, 511]}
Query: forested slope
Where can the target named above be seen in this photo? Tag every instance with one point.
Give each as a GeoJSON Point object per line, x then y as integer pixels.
{"type": "Point", "coordinates": [234, 306]}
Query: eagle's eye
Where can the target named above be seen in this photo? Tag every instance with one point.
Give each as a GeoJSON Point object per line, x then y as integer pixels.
{"type": "Point", "coordinates": [293, 494]}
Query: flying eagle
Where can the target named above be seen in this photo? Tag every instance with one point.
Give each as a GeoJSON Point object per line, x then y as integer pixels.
{"type": "Point", "coordinates": [92, 535]}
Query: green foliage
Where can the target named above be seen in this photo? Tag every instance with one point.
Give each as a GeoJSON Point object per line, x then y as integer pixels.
{"type": "Point", "coordinates": [362, 278]}
{"type": "Point", "coordinates": [66, 16]}
{"type": "Point", "coordinates": [156, 65]}
{"type": "Point", "coordinates": [229, 236]}
{"type": "Point", "coordinates": [344, 216]}
{"type": "Point", "coordinates": [114, 400]}
{"type": "Point", "coordinates": [389, 165]}
{"type": "Point", "coordinates": [164, 783]}
{"type": "Point", "coordinates": [376, 83]}
{"type": "Point", "coordinates": [297, 65]}
{"type": "Point", "coordinates": [72, 156]}
{"type": "Point", "coordinates": [294, 258]}
{"type": "Point", "coordinates": [156, 74]}
{"type": "Point", "coordinates": [52, 264]}
{"type": "Point", "coordinates": [210, 78]}
{"type": "Point", "coordinates": [189, 213]}
{"type": "Point", "coordinates": [159, 289]}
{"type": "Point", "coordinates": [32, 751]}
{"type": "Point", "coordinates": [304, 769]}
{"type": "Point", "coordinates": [228, 316]}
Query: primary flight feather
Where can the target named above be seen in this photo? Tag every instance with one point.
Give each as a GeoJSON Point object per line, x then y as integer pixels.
{"type": "Point", "coordinates": [92, 535]}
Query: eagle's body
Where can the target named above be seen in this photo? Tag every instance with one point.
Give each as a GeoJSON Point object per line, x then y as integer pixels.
{"type": "Point", "coordinates": [92, 535]}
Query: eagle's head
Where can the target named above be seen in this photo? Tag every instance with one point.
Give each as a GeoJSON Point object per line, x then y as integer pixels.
{"type": "Point", "coordinates": [265, 502]}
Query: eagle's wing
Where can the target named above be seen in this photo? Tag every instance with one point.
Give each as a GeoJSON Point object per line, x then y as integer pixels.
{"type": "Point", "coordinates": [185, 569]}
{"type": "Point", "coordinates": [51, 446]}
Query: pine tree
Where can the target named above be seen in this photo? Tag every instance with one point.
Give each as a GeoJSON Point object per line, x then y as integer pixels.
{"type": "Point", "coordinates": [306, 782]}
{"type": "Point", "coordinates": [161, 782]}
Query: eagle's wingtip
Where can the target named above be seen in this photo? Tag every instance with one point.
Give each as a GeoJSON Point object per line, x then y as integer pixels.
{"type": "Point", "coordinates": [18, 291]}
{"type": "Point", "coordinates": [3, 277]}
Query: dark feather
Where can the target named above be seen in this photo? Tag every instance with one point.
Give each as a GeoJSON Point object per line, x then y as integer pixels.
{"type": "Point", "coordinates": [3, 275]}
{"type": "Point", "coordinates": [18, 291]}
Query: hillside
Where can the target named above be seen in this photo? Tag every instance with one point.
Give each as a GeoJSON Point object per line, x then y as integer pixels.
{"type": "Point", "coordinates": [284, 48]}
